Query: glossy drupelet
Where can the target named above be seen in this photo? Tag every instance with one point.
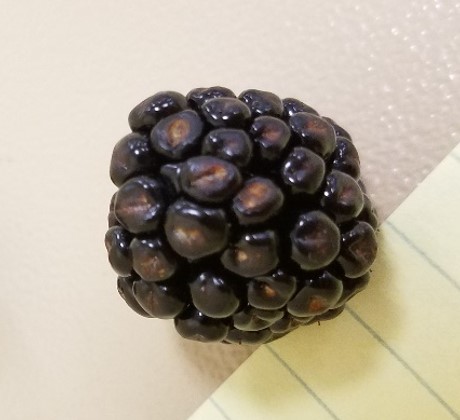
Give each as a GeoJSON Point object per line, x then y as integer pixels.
{"type": "Point", "coordinates": [239, 217]}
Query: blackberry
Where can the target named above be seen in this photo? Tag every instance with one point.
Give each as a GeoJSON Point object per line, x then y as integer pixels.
{"type": "Point", "coordinates": [145, 115]}
{"type": "Point", "coordinates": [271, 135]}
{"type": "Point", "coordinates": [117, 243]}
{"type": "Point", "coordinates": [262, 103]}
{"type": "Point", "coordinates": [342, 195]}
{"type": "Point", "coordinates": [229, 144]}
{"type": "Point", "coordinates": [214, 295]}
{"type": "Point", "coordinates": [164, 299]}
{"type": "Point", "coordinates": [195, 325]}
{"type": "Point", "coordinates": [254, 254]}
{"type": "Point", "coordinates": [236, 336]}
{"type": "Point", "coordinates": [345, 157]}
{"type": "Point", "coordinates": [303, 170]}
{"type": "Point", "coordinates": [125, 289]}
{"type": "Point", "coordinates": [209, 179]}
{"type": "Point", "coordinates": [314, 133]}
{"type": "Point", "coordinates": [139, 204]}
{"type": "Point", "coordinates": [177, 135]}
{"type": "Point", "coordinates": [132, 156]}
{"type": "Point", "coordinates": [252, 319]}
{"type": "Point", "coordinates": [240, 218]}
{"type": "Point", "coordinates": [225, 112]}
{"type": "Point", "coordinates": [197, 97]}
{"type": "Point", "coordinates": [153, 259]}
{"type": "Point", "coordinates": [271, 292]}
{"type": "Point", "coordinates": [315, 295]}
{"type": "Point", "coordinates": [257, 201]}
{"type": "Point", "coordinates": [315, 240]}
{"type": "Point", "coordinates": [194, 231]}
{"type": "Point", "coordinates": [293, 106]}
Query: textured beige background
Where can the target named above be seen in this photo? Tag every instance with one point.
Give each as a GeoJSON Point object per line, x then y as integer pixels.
{"type": "Point", "coordinates": [69, 74]}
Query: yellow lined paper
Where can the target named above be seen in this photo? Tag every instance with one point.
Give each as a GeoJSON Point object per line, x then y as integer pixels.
{"type": "Point", "coordinates": [395, 351]}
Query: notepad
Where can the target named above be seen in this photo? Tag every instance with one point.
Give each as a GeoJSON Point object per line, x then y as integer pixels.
{"type": "Point", "coordinates": [394, 353]}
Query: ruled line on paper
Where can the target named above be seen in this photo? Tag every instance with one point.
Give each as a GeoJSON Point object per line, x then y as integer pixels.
{"type": "Point", "coordinates": [406, 239]}
{"type": "Point", "coordinates": [406, 365]}
{"type": "Point", "coordinates": [292, 372]}
{"type": "Point", "coordinates": [219, 408]}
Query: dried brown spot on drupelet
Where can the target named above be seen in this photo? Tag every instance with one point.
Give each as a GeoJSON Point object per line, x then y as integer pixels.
{"type": "Point", "coordinates": [259, 200]}
{"type": "Point", "coordinates": [178, 131]}
{"type": "Point", "coordinates": [209, 180]}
